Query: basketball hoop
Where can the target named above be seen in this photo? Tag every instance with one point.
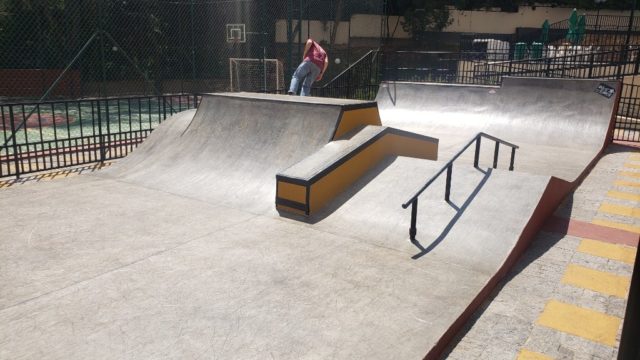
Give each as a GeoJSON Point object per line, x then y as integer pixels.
{"type": "Point", "coordinates": [236, 33]}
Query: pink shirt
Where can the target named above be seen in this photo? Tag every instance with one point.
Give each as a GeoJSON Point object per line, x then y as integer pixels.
{"type": "Point", "coordinates": [316, 55]}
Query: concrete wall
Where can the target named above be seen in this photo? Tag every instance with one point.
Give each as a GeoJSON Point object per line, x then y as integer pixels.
{"type": "Point", "coordinates": [495, 22]}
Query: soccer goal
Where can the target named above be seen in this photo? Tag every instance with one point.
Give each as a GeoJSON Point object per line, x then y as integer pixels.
{"type": "Point", "coordinates": [256, 75]}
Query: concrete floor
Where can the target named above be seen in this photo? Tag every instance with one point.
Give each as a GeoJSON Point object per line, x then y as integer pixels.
{"type": "Point", "coordinates": [169, 254]}
{"type": "Point", "coordinates": [211, 280]}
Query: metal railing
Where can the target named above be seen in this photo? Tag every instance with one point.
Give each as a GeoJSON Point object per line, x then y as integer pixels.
{"type": "Point", "coordinates": [476, 68]}
{"type": "Point", "coordinates": [57, 134]}
{"type": "Point", "coordinates": [358, 81]}
{"type": "Point", "coordinates": [413, 201]}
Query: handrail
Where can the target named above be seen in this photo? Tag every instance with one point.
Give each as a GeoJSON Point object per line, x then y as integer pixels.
{"type": "Point", "coordinates": [413, 201]}
{"type": "Point", "coordinates": [356, 63]}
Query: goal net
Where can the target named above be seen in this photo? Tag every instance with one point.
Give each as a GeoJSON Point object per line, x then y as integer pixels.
{"type": "Point", "coordinates": [256, 75]}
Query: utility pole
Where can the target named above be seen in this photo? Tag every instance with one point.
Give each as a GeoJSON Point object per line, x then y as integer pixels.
{"type": "Point", "coordinates": [289, 35]}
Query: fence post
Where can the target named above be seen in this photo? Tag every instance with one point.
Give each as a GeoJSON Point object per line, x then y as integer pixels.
{"type": "Point", "coordinates": [193, 50]}
{"type": "Point", "coordinates": [495, 155]}
{"type": "Point", "coordinates": [548, 61]}
{"type": "Point", "coordinates": [15, 142]}
{"type": "Point", "coordinates": [107, 142]}
{"type": "Point", "coordinates": [100, 139]}
{"type": "Point", "coordinates": [163, 99]}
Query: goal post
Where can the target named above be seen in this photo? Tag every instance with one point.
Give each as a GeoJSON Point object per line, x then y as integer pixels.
{"type": "Point", "coordinates": [255, 75]}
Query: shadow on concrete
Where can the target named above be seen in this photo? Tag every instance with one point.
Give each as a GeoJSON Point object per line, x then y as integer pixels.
{"type": "Point", "coordinates": [56, 174]}
{"type": "Point", "coordinates": [393, 96]}
{"type": "Point", "coordinates": [459, 211]}
{"type": "Point", "coordinates": [542, 242]}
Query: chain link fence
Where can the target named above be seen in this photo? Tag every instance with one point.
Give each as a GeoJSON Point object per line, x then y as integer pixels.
{"type": "Point", "coordinates": [86, 80]}
{"type": "Point", "coordinates": [98, 48]}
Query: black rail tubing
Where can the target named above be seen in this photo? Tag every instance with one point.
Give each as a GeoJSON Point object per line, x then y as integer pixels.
{"type": "Point", "coordinates": [456, 156]}
{"type": "Point", "coordinates": [413, 201]}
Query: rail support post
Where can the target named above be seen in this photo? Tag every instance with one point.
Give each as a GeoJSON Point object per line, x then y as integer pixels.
{"type": "Point", "coordinates": [495, 155]}
{"type": "Point", "coordinates": [513, 157]}
{"type": "Point", "coordinates": [476, 157]}
{"type": "Point", "coordinates": [414, 213]}
{"type": "Point", "coordinates": [447, 190]}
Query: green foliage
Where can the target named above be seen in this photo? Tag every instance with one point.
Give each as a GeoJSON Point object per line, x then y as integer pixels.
{"type": "Point", "coordinates": [426, 15]}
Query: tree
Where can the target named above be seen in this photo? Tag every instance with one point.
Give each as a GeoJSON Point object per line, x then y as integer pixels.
{"type": "Point", "coordinates": [426, 15]}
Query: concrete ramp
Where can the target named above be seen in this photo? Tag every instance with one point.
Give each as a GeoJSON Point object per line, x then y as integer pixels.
{"type": "Point", "coordinates": [229, 151]}
{"type": "Point", "coordinates": [561, 125]}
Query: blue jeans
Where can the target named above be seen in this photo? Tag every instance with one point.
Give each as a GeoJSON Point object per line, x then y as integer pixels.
{"type": "Point", "coordinates": [307, 72]}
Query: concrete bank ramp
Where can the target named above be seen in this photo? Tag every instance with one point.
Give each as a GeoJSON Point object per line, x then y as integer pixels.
{"type": "Point", "coordinates": [230, 150]}
{"type": "Point", "coordinates": [561, 125]}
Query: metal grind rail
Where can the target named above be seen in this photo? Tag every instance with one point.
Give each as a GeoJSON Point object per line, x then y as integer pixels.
{"type": "Point", "coordinates": [413, 201]}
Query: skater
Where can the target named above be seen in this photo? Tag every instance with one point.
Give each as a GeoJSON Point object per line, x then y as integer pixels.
{"type": "Point", "coordinates": [314, 64]}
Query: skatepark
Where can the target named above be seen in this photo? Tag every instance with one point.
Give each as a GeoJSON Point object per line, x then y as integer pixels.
{"type": "Point", "coordinates": [270, 225]}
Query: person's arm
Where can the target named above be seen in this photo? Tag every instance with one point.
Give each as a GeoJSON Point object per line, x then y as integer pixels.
{"type": "Point", "coordinates": [324, 68]}
{"type": "Point", "coordinates": [307, 46]}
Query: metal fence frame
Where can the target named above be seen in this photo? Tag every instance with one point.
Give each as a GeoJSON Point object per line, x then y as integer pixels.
{"type": "Point", "coordinates": [46, 136]}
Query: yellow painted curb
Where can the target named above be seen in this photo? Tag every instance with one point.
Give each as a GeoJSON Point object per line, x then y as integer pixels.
{"type": "Point", "coordinates": [585, 323]}
{"type": "Point", "coordinates": [600, 281]}
{"type": "Point", "coordinates": [602, 249]}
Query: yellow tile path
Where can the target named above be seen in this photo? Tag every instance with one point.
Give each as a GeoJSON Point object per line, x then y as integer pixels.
{"type": "Point", "coordinates": [619, 210]}
{"type": "Point", "coordinates": [600, 281]}
{"type": "Point", "coordinates": [623, 195]}
{"type": "Point", "coordinates": [625, 254]}
{"type": "Point", "coordinates": [629, 174]}
{"type": "Point", "coordinates": [585, 323]}
{"type": "Point", "coordinates": [532, 355]}
{"type": "Point", "coordinates": [626, 183]}
{"type": "Point", "coordinates": [617, 225]}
